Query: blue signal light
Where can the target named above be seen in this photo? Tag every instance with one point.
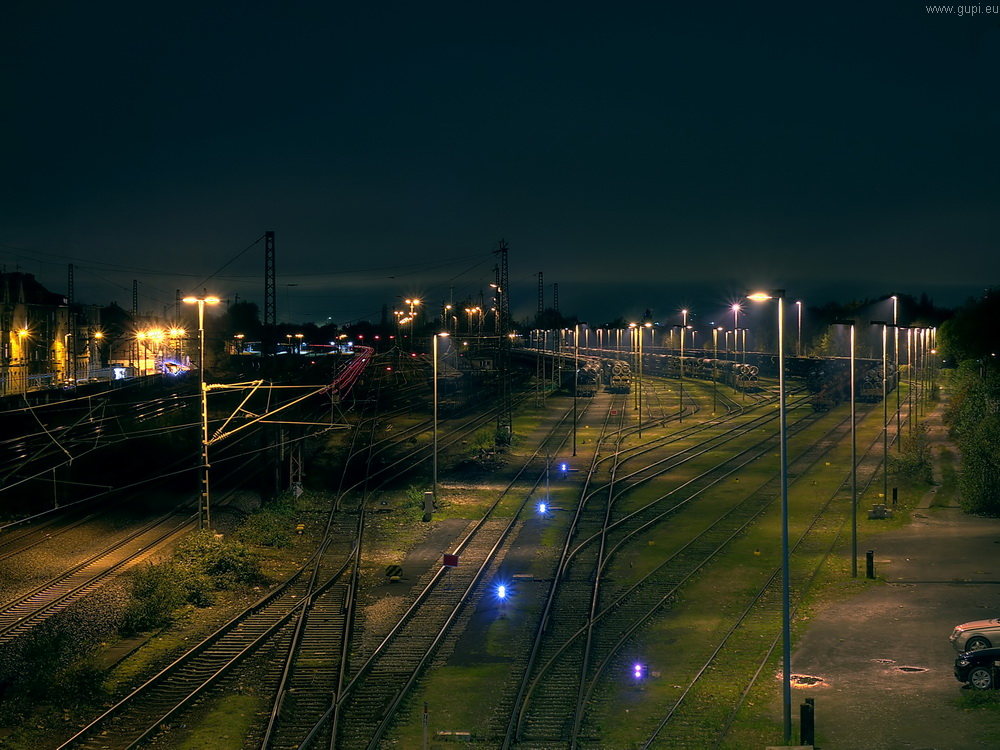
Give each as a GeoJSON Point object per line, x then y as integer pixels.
{"type": "Point", "coordinates": [501, 591]}
{"type": "Point", "coordinates": [564, 467]}
{"type": "Point", "coordinates": [639, 670]}
{"type": "Point", "coordinates": [542, 507]}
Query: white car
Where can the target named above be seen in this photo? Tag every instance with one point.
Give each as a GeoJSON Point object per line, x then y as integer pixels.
{"type": "Point", "coordinates": [976, 635]}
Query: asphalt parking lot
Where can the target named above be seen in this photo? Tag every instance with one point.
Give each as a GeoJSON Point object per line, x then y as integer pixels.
{"type": "Point", "coordinates": [883, 658]}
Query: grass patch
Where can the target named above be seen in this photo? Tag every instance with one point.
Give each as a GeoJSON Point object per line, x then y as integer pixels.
{"type": "Point", "coordinates": [986, 701]}
{"type": "Point", "coordinates": [226, 726]}
{"type": "Point", "coordinates": [456, 702]}
{"type": "Point", "coordinates": [947, 493]}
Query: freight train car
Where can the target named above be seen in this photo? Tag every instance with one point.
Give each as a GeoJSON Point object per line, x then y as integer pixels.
{"type": "Point", "coordinates": [588, 378]}
{"type": "Point", "coordinates": [617, 376]}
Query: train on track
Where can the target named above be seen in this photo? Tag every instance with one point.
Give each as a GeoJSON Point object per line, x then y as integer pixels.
{"type": "Point", "coordinates": [826, 378]}
{"type": "Point", "coordinates": [829, 383]}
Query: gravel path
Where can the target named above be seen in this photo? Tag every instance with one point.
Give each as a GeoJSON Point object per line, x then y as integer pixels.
{"type": "Point", "coordinates": [884, 657]}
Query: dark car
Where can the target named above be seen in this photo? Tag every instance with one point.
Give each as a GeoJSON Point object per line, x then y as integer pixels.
{"type": "Point", "coordinates": [978, 668]}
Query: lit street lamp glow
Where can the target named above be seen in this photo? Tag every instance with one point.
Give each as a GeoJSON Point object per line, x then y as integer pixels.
{"type": "Point", "coordinates": [204, 507]}
{"type": "Point", "coordinates": [783, 440]}
{"type": "Point", "coordinates": [435, 487]}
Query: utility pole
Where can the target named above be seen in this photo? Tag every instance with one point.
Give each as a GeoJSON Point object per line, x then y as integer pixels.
{"type": "Point", "coordinates": [268, 345]}
{"type": "Point", "coordinates": [505, 417]}
{"type": "Point", "coordinates": [539, 362]}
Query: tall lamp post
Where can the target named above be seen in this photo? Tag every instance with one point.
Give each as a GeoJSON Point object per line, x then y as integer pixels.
{"type": "Point", "coordinates": [885, 410]}
{"type": "Point", "coordinates": [436, 337]}
{"type": "Point", "coordinates": [680, 373]}
{"type": "Point", "coordinates": [798, 341]}
{"type": "Point", "coordinates": [779, 294]}
{"type": "Point", "coordinates": [736, 330]}
{"type": "Point", "coordinates": [637, 331]}
{"type": "Point", "coordinates": [576, 378]}
{"type": "Point", "coordinates": [204, 508]}
{"type": "Point", "coordinates": [854, 455]}
{"type": "Point", "coordinates": [895, 374]}
{"type": "Point", "coordinates": [715, 365]}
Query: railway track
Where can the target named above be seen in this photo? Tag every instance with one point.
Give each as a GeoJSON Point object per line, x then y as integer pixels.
{"type": "Point", "coordinates": [603, 608]}
{"type": "Point", "coordinates": [163, 699]}
{"type": "Point", "coordinates": [28, 610]}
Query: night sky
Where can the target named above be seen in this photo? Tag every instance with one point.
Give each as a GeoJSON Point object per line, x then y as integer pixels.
{"type": "Point", "coordinates": [638, 155]}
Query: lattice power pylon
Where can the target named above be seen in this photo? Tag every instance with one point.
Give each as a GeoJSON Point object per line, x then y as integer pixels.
{"type": "Point", "coordinates": [268, 345]}
{"type": "Point", "coordinates": [505, 418]}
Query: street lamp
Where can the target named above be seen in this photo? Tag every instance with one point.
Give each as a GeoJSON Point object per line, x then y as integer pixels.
{"type": "Point", "coordinates": [638, 371]}
{"type": "Point", "coordinates": [95, 352]}
{"type": "Point", "coordinates": [786, 632]}
{"type": "Point", "coordinates": [895, 374]}
{"type": "Point", "coordinates": [435, 488]}
{"type": "Point", "coordinates": [680, 373]}
{"type": "Point", "coordinates": [854, 456]}
{"type": "Point", "coordinates": [885, 412]}
{"type": "Point", "coordinates": [576, 381]}
{"type": "Point", "coordinates": [715, 365]}
{"type": "Point", "coordinates": [736, 330]}
{"type": "Point", "coordinates": [798, 341]}
{"type": "Point", "coordinates": [22, 335]}
{"type": "Point", "coordinates": [204, 508]}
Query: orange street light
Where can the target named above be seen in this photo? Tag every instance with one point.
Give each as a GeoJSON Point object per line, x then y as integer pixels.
{"type": "Point", "coordinates": [204, 508]}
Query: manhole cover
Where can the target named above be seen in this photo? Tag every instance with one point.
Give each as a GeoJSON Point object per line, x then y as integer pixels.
{"type": "Point", "coordinates": [806, 680]}
{"type": "Point", "coordinates": [912, 669]}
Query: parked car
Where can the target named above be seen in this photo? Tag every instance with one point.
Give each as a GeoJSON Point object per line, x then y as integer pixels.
{"type": "Point", "coordinates": [978, 668]}
{"type": "Point", "coordinates": [972, 636]}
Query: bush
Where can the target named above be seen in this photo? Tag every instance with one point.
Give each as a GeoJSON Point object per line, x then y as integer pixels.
{"type": "Point", "coordinates": [156, 592]}
{"type": "Point", "coordinates": [913, 464]}
{"type": "Point", "coordinates": [54, 663]}
{"type": "Point", "coordinates": [228, 563]}
{"type": "Point", "coordinates": [271, 527]}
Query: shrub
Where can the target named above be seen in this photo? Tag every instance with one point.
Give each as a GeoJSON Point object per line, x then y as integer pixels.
{"type": "Point", "coordinates": [271, 527]}
{"type": "Point", "coordinates": [914, 460]}
{"type": "Point", "coordinates": [229, 563]}
{"type": "Point", "coordinates": [156, 591]}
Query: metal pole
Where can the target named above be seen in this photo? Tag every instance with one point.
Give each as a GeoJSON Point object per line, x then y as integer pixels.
{"type": "Point", "coordinates": [854, 466]}
{"type": "Point", "coordinates": [798, 343]}
{"type": "Point", "coordinates": [204, 512]}
{"type": "Point", "coordinates": [885, 416]}
{"type": "Point", "coordinates": [895, 374]}
{"type": "Point", "coordinates": [576, 377]}
{"type": "Point", "coordinates": [638, 332]}
{"type": "Point", "coordinates": [785, 585]}
{"type": "Point", "coordinates": [680, 403]}
{"type": "Point", "coordinates": [715, 363]}
{"type": "Point", "coordinates": [435, 462]}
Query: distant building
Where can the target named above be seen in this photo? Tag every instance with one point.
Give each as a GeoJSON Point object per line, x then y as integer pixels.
{"type": "Point", "coordinates": [44, 343]}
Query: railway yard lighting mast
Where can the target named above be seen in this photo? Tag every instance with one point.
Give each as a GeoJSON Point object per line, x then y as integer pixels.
{"type": "Point", "coordinates": [854, 454]}
{"type": "Point", "coordinates": [736, 308]}
{"type": "Point", "coordinates": [715, 366]}
{"type": "Point", "coordinates": [895, 373]}
{"type": "Point", "coordinates": [204, 508]}
{"type": "Point", "coordinates": [885, 410]}
{"type": "Point", "coordinates": [680, 372]}
{"type": "Point", "coordinates": [786, 634]}
{"type": "Point", "coordinates": [435, 488]}
{"type": "Point", "coordinates": [798, 341]}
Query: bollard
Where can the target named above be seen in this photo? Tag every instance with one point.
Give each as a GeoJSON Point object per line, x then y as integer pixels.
{"type": "Point", "coordinates": [807, 722]}
{"type": "Point", "coordinates": [870, 563]}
